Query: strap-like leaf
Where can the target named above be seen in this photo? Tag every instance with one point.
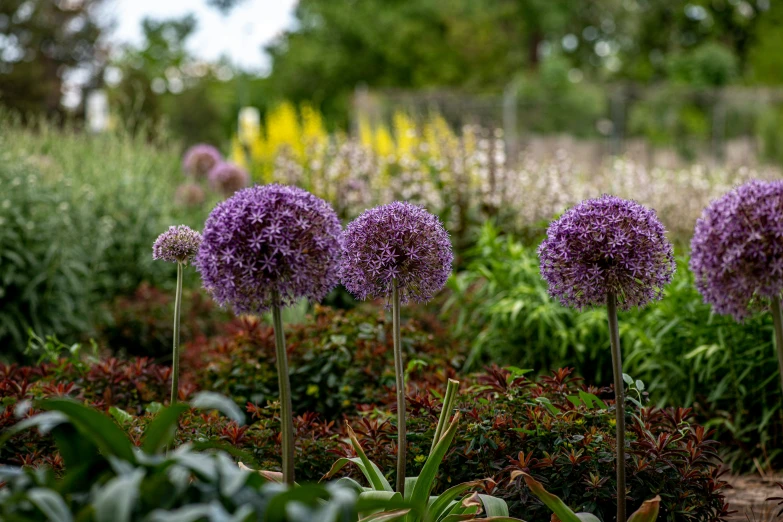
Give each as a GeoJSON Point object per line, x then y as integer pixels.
{"type": "Point", "coordinates": [114, 502]}
{"type": "Point", "coordinates": [51, 504]}
{"type": "Point", "coordinates": [162, 429]}
{"type": "Point", "coordinates": [421, 492]}
{"type": "Point", "coordinates": [443, 502]}
{"type": "Point", "coordinates": [551, 501]}
{"type": "Point", "coordinates": [386, 516]}
{"type": "Point", "coordinates": [493, 506]}
{"type": "Point", "coordinates": [370, 470]}
{"type": "Point", "coordinates": [452, 390]}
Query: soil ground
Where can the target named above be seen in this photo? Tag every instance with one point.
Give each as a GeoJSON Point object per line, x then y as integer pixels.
{"type": "Point", "coordinates": [748, 497]}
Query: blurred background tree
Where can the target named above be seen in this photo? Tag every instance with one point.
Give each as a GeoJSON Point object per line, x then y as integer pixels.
{"type": "Point", "coordinates": [42, 42]}
{"type": "Point", "coordinates": [334, 46]}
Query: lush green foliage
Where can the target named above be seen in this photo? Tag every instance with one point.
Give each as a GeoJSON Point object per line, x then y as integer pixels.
{"type": "Point", "coordinates": [79, 214]}
{"type": "Point", "coordinates": [551, 427]}
{"type": "Point", "coordinates": [686, 354]}
{"type": "Point", "coordinates": [338, 361]}
{"type": "Point", "coordinates": [107, 479]}
{"type": "Point", "coordinates": [429, 43]}
{"type": "Point", "coordinates": [141, 323]}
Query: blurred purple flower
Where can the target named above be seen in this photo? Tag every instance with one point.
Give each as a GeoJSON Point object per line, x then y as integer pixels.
{"type": "Point", "coordinates": [227, 178]}
{"type": "Point", "coordinates": [267, 241]}
{"type": "Point", "coordinates": [737, 249]}
{"type": "Point", "coordinates": [200, 159]}
{"type": "Point", "coordinates": [189, 195]}
{"type": "Point", "coordinates": [603, 245]}
{"type": "Point", "coordinates": [399, 240]}
{"type": "Point", "coordinates": [177, 245]}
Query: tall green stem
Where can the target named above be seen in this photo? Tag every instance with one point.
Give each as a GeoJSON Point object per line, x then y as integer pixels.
{"type": "Point", "coordinates": [619, 394]}
{"type": "Point", "coordinates": [286, 415]}
{"type": "Point", "coordinates": [175, 354]}
{"type": "Point", "coordinates": [777, 319]}
{"type": "Point", "coordinates": [399, 370]}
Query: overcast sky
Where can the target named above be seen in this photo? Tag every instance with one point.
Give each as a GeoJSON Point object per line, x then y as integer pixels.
{"type": "Point", "coordinates": [238, 35]}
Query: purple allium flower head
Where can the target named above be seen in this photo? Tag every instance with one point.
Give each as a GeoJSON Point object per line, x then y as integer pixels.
{"type": "Point", "coordinates": [401, 241]}
{"type": "Point", "coordinates": [603, 245]}
{"type": "Point", "coordinates": [177, 245]}
{"type": "Point", "coordinates": [268, 241]}
{"type": "Point", "coordinates": [200, 159]}
{"type": "Point", "coordinates": [227, 178]}
{"type": "Point", "coordinates": [737, 249]}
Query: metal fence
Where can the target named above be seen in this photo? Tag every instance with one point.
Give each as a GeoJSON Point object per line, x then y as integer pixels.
{"type": "Point", "coordinates": [667, 125]}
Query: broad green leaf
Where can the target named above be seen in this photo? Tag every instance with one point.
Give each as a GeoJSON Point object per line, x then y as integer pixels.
{"type": "Point", "coordinates": [588, 517]}
{"type": "Point", "coordinates": [51, 504]}
{"type": "Point", "coordinates": [591, 400]}
{"type": "Point", "coordinates": [214, 401]}
{"type": "Point", "coordinates": [371, 502]}
{"type": "Point", "coordinates": [120, 415]}
{"type": "Point", "coordinates": [493, 506]}
{"type": "Point", "coordinates": [162, 429]}
{"type": "Point", "coordinates": [308, 495]}
{"type": "Point", "coordinates": [114, 502]}
{"type": "Point", "coordinates": [548, 404]}
{"type": "Point", "coordinates": [45, 422]}
{"type": "Point", "coordinates": [109, 438]}
{"type": "Point", "coordinates": [410, 483]}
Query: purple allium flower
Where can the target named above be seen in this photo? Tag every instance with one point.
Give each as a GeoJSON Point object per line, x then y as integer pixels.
{"type": "Point", "coordinates": [200, 159]}
{"type": "Point", "coordinates": [189, 195]}
{"type": "Point", "coordinates": [737, 249]}
{"type": "Point", "coordinates": [227, 178]}
{"type": "Point", "coordinates": [269, 240]}
{"type": "Point", "coordinates": [399, 240]}
{"type": "Point", "coordinates": [177, 245]}
{"type": "Point", "coordinates": [603, 245]}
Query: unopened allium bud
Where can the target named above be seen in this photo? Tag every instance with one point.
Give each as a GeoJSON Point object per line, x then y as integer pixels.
{"type": "Point", "coordinates": [737, 249]}
{"type": "Point", "coordinates": [177, 245]}
{"type": "Point", "coordinates": [607, 245]}
{"type": "Point", "coordinates": [398, 241]}
{"type": "Point", "coordinates": [269, 245]}
{"type": "Point", "coordinates": [200, 159]}
{"type": "Point", "coordinates": [227, 178]}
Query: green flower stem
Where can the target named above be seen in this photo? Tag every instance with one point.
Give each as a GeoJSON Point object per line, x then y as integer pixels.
{"type": "Point", "coordinates": [175, 354]}
{"type": "Point", "coordinates": [286, 415]}
{"type": "Point", "coordinates": [777, 319]}
{"type": "Point", "coordinates": [399, 370]}
{"type": "Point", "coordinates": [619, 393]}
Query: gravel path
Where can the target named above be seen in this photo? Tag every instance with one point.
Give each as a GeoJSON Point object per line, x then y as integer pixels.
{"type": "Point", "coordinates": [748, 498]}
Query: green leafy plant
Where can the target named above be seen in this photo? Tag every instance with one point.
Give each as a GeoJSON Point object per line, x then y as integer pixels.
{"type": "Point", "coordinates": [108, 479]}
{"type": "Point", "coordinates": [450, 505]}
{"type": "Point", "coordinates": [687, 355]}
{"type": "Point", "coordinates": [648, 512]}
{"type": "Point", "coordinates": [77, 217]}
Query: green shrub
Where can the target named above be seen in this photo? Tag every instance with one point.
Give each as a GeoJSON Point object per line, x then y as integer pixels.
{"type": "Point", "coordinates": [79, 214]}
{"type": "Point", "coordinates": [688, 355]}
{"type": "Point", "coordinates": [108, 480]}
{"type": "Point", "coordinates": [338, 360]}
{"type": "Point", "coordinates": [552, 427]}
